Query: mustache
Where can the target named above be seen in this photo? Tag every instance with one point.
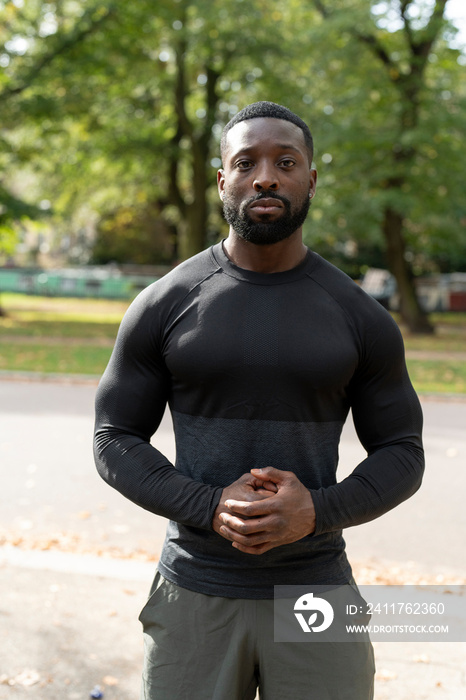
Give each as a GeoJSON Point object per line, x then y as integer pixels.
{"type": "Point", "coordinates": [267, 195]}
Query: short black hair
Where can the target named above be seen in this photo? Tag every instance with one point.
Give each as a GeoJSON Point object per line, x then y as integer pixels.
{"type": "Point", "coordinates": [274, 111]}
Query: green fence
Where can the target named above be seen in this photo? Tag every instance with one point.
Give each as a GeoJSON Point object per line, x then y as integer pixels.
{"type": "Point", "coordinates": [93, 282]}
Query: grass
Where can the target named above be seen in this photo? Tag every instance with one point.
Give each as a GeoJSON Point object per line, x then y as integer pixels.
{"type": "Point", "coordinates": [450, 334]}
{"type": "Point", "coordinates": [67, 336]}
{"type": "Point", "coordinates": [75, 336]}
{"type": "Point", "coordinates": [434, 376]}
{"type": "Point", "coordinates": [43, 317]}
{"type": "Point", "coordinates": [61, 359]}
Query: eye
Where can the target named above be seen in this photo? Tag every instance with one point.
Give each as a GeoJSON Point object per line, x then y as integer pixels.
{"type": "Point", "coordinates": [287, 162]}
{"type": "Point", "coordinates": [243, 164]}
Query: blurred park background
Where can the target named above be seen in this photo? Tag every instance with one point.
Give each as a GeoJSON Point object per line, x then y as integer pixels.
{"type": "Point", "coordinates": [110, 120]}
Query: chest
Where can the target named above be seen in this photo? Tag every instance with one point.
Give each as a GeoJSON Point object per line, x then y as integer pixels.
{"type": "Point", "coordinates": [258, 334]}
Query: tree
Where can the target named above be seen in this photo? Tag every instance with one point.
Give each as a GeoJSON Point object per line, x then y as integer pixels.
{"type": "Point", "coordinates": [32, 39]}
{"type": "Point", "coordinates": [132, 99]}
{"type": "Point", "coordinates": [398, 39]}
{"type": "Point", "coordinates": [115, 110]}
{"type": "Point", "coordinates": [137, 235]}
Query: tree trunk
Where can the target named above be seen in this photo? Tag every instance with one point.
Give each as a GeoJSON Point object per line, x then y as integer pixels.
{"type": "Point", "coordinates": [411, 313]}
{"type": "Point", "coordinates": [409, 84]}
{"type": "Point", "coordinates": [192, 232]}
{"type": "Point", "coordinates": [194, 213]}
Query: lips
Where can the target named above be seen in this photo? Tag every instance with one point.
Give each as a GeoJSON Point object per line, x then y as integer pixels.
{"type": "Point", "coordinates": [266, 205]}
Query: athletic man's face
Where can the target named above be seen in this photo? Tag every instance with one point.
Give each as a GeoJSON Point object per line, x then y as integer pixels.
{"type": "Point", "coordinates": [267, 183]}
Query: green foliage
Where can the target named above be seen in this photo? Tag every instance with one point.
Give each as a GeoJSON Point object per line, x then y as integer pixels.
{"type": "Point", "coordinates": [369, 155]}
{"type": "Point", "coordinates": [134, 235]}
{"type": "Point", "coordinates": [114, 110]}
{"type": "Point", "coordinates": [12, 210]}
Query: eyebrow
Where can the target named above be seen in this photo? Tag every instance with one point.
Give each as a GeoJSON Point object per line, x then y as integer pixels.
{"type": "Point", "coordinates": [280, 146]}
{"type": "Point", "coordinates": [288, 147]}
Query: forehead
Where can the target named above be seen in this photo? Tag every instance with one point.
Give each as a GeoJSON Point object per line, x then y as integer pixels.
{"type": "Point", "coordinates": [265, 134]}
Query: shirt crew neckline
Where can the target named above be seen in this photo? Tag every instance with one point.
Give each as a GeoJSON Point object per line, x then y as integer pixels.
{"type": "Point", "coordinates": [264, 278]}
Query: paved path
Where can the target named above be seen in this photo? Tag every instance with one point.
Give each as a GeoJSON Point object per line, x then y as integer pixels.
{"type": "Point", "coordinates": [52, 486]}
{"type": "Point", "coordinates": [428, 530]}
{"type": "Point", "coordinates": [67, 626]}
{"type": "Point", "coordinates": [69, 622]}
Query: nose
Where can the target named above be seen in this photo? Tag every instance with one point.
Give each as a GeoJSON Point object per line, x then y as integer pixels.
{"type": "Point", "coordinates": [265, 178]}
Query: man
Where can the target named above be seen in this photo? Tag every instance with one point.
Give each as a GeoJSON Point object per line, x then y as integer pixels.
{"type": "Point", "coordinates": [260, 348]}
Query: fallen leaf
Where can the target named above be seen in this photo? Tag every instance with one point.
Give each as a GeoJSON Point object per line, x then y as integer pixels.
{"type": "Point", "coordinates": [27, 678]}
{"type": "Point", "coordinates": [385, 675]}
{"type": "Point", "coordinates": [110, 680]}
{"type": "Point", "coordinates": [421, 659]}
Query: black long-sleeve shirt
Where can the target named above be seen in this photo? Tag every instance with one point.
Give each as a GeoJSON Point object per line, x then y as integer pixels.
{"type": "Point", "coordinates": [258, 370]}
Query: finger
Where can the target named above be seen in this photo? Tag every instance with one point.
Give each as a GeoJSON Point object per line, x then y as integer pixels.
{"type": "Point", "coordinates": [261, 484]}
{"type": "Point", "coordinates": [260, 494]}
{"type": "Point", "coordinates": [250, 509]}
{"type": "Point", "coordinates": [270, 486]}
{"type": "Point", "coordinates": [271, 474]}
{"type": "Point", "coordinates": [245, 527]}
{"type": "Point", "coordinates": [253, 540]}
{"type": "Point", "coordinates": [260, 549]}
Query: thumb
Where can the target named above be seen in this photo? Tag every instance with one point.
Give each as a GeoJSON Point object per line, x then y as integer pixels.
{"type": "Point", "coordinates": [269, 474]}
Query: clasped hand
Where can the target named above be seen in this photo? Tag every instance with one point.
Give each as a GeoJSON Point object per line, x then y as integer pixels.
{"type": "Point", "coordinates": [264, 509]}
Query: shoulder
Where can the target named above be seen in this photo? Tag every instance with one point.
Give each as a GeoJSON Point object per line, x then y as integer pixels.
{"type": "Point", "coordinates": [371, 323]}
{"type": "Point", "coordinates": [353, 300]}
{"type": "Point", "coordinates": [155, 305]}
{"type": "Point", "coordinates": [183, 278]}
{"type": "Point", "coordinates": [179, 282]}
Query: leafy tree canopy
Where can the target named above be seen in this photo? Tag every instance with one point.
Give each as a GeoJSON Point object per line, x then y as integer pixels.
{"type": "Point", "coordinates": [113, 108]}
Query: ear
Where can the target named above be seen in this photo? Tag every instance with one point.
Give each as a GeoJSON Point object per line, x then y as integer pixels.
{"type": "Point", "coordinates": [221, 183]}
{"type": "Point", "coordinates": [312, 182]}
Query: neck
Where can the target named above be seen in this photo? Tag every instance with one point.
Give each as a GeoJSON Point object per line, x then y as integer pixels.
{"type": "Point", "coordinates": [277, 257]}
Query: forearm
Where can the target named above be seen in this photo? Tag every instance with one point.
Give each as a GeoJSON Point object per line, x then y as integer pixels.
{"type": "Point", "coordinates": [382, 481]}
{"type": "Point", "coordinates": [388, 421]}
{"type": "Point", "coordinates": [143, 475]}
{"type": "Point", "coordinates": [130, 403]}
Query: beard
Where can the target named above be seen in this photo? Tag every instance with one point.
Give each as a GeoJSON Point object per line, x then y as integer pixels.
{"type": "Point", "coordinates": [264, 233]}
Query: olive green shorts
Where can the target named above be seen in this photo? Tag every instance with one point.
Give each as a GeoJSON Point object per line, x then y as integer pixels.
{"type": "Point", "coordinates": [203, 647]}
